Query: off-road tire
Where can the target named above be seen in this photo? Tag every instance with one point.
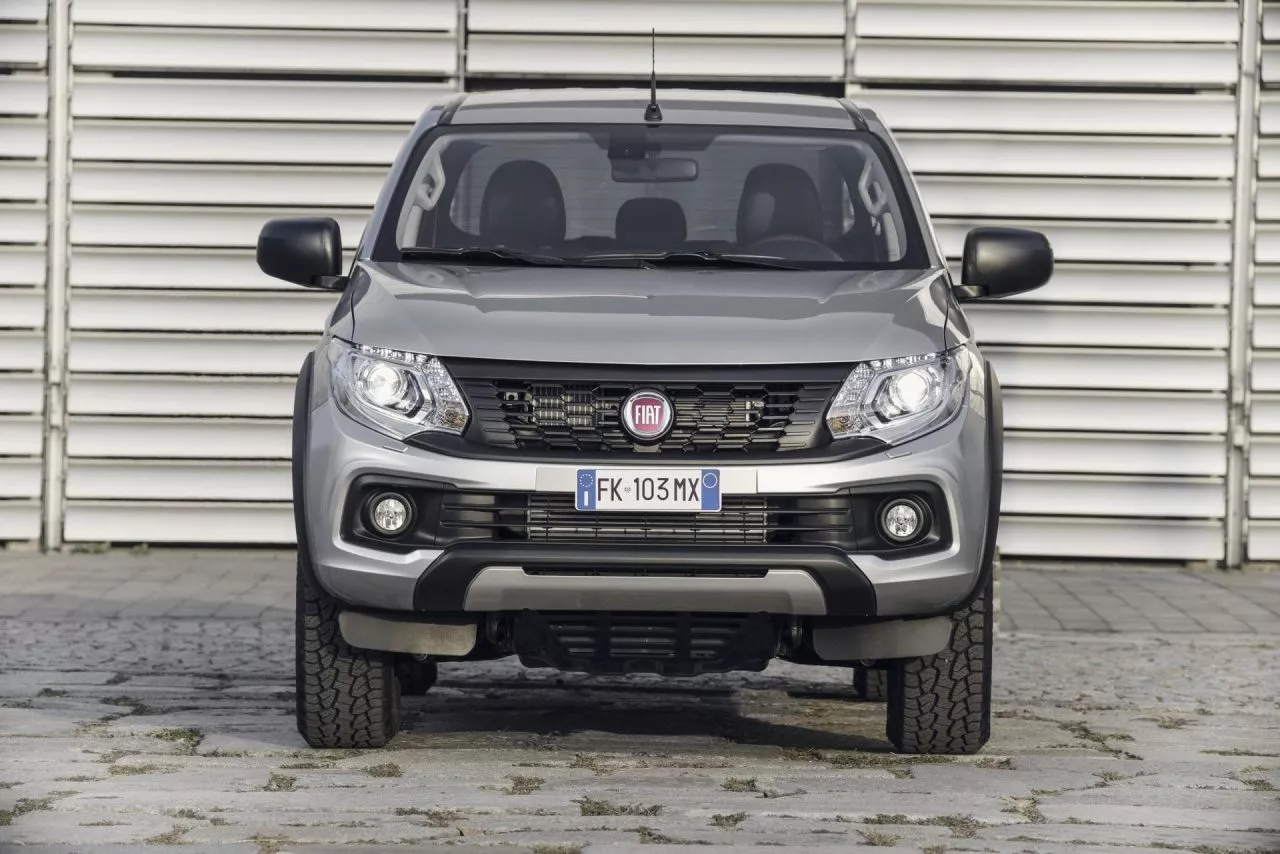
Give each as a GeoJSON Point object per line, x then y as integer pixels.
{"type": "Point", "coordinates": [870, 684]}
{"type": "Point", "coordinates": [416, 677]}
{"type": "Point", "coordinates": [942, 703]}
{"type": "Point", "coordinates": [346, 697]}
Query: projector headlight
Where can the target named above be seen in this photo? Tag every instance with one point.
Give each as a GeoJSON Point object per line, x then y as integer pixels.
{"type": "Point", "coordinates": [395, 392]}
{"type": "Point", "coordinates": [899, 399]}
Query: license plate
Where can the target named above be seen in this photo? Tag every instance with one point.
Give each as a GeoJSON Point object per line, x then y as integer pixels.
{"type": "Point", "coordinates": [654, 490]}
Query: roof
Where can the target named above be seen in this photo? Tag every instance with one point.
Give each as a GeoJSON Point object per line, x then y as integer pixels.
{"type": "Point", "coordinates": [679, 106]}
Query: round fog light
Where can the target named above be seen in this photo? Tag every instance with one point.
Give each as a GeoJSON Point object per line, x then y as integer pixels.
{"type": "Point", "coordinates": [902, 520]}
{"type": "Point", "coordinates": [389, 514]}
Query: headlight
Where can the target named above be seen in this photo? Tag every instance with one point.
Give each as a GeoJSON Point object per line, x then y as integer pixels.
{"type": "Point", "coordinates": [395, 392]}
{"type": "Point", "coordinates": [898, 399]}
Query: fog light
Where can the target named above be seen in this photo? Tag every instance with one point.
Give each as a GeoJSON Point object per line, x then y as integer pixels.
{"type": "Point", "coordinates": [902, 520]}
{"type": "Point", "coordinates": [389, 514]}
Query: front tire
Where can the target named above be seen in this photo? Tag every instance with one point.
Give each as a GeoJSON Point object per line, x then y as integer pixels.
{"type": "Point", "coordinates": [942, 703]}
{"type": "Point", "coordinates": [346, 697]}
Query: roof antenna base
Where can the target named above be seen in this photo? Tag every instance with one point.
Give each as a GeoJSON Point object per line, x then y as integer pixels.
{"type": "Point", "coordinates": [653, 113]}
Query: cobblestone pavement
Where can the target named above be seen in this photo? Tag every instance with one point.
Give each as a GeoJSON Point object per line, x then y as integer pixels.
{"type": "Point", "coordinates": [146, 702]}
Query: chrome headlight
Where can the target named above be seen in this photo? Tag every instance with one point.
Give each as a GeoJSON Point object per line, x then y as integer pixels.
{"type": "Point", "coordinates": [898, 399]}
{"type": "Point", "coordinates": [395, 392]}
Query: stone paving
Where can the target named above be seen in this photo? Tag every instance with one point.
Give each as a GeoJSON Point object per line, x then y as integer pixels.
{"type": "Point", "coordinates": [146, 704]}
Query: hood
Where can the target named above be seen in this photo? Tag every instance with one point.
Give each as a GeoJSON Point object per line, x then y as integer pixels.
{"type": "Point", "coordinates": [650, 317]}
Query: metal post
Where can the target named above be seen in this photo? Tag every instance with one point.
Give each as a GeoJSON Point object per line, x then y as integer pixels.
{"type": "Point", "coordinates": [56, 287]}
{"type": "Point", "coordinates": [1242, 276]}
{"type": "Point", "coordinates": [463, 14]}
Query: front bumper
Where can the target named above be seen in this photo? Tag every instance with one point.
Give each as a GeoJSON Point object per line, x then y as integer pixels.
{"type": "Point", "coordinates": [793, 580]}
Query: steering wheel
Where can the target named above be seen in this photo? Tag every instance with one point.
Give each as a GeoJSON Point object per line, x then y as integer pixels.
{"type": "Point", "coordinates": [792, 247]}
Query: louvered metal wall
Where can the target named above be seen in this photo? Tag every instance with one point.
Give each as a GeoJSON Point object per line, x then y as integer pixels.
{"type": "Point", "coordinates": [1110, 125]}
{"type": "Point", "coordinates": [23, 101]}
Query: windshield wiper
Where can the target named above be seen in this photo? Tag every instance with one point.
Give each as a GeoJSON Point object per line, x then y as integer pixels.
{"type": "Point", "coordinates": [482, 254]}
{"type": "Point", "coordinates": [699, 259]}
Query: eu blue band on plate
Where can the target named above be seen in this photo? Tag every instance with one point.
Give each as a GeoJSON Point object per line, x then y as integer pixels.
{"type": "Point", "coordinates": [710, 489]}
{"type": "Point", "coordinates": [586, 499]}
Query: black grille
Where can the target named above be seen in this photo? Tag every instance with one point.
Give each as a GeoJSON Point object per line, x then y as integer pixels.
{"type": "Point", "coordinates": [731, 416]}
{"type": "Point", "coordinates": [742, 520]}
{"type": "Point", "coordinates": [676, 644]}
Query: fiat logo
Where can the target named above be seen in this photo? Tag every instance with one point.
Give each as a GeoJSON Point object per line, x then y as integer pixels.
{"type": "Point", "coordinates": [647, 415]}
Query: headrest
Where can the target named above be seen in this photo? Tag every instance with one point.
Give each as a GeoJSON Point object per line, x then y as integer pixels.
{"type": "Point", "coordinates": [777, 199]}
{"type": "Point", "coordinates": [523, 206]}
{"type": "Point", "coordinates": [649, 223]}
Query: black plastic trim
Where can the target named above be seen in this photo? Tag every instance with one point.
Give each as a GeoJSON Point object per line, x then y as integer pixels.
{"type": "Point", "coordinates": [300, 442]}
{"type": "Point", "coordinates": [443, 585]}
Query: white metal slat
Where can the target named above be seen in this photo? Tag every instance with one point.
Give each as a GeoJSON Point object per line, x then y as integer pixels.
{"type": "Point", "coordinates": [241, 185]}
{"type": "Point", "coordinates": [1151, 539]}
{"type": "Point", "coordinates": [24, 138]}
{"type": "Point", "coordinates": [24, 10]}
{"type": "Point", "coordinates": [317, 51]}
{"type": "Point", "coordinates": [21, 435]}
{"type": "Point", "coordinates": [19, 477]}
{"type": "Point", "coordinates": [1071, 156]}
{"type": "Point", "coordinates": [95, 96]}
{"type": "Point", "coordinates": [1120, 284]}
{"type": "Point", "coordinates": [21, 351]}
{"type": "Point", "coordinates": [1264, 498]}
{"type": "Point", "coordinates": [680, 56]}
{"type": "Point", "coordinates": [178, 438]}
{"type": "Point", "coordinates": [113, 267]}
{"type": "Point", "coordinates": [222, 142]}
{"type": "Point", "coordinates": [22, 46]}
{"type": "Point", "coordinates": [155, 480]}
{"type": "Point", "coordinates": [22, 265]}
{"type": "Point", "coordinates": [24, 181]}
{"type": "Point", "coordinates": [1074, 63]}
{"type": "Point", "coordinates": [22, 222]}
{"type": "Point", "coordinates": [179, 396]}
{"type": "Point", "coordinates": [300, 14]}
{"type": "Point", "coordinates": [668, 17]}
{"type": "Point", "coordinates": [1063, 495]}
{"type": "Point", "coordinates": [1113, 411]}
{"type": "Point", "coordinates": [1128, 454]}
{"type": "Point", "coordinates": [21, 393]}
{"type": "Point", "coordinates": [1264, 457]}
{"type": "Point", "coordinates": [21, 308]}
{"type": "Point", "coordinates": [1020, 323]}
{"type": "Point", "coordinates": [1164, 243]}
{"type": "Point", "coordinates": [19, 520]}
{"type": "Point", "coordinates": [1264, 540]}
{"type": "Point", "coordinates": [1208, 114]}
{"type": "Point", "coordinates": [187, 522]}
{"type": "Point", "coordinates": [201, 312]}
{"type": "Point", "coordinates": [1265, 371]}
{"type": "Point", "coordinates": [150, 353]}
{"type": "Point", "coordinates": [24, 94]}
{"type": "Point", "coordinates": [1145, 21]}
{"type": "Point", "coordinates": [1077, 198]}
{"type": "Point", "coordinates": [130, 225]}
{"type": "Point", "coordinates": [1061, 367]}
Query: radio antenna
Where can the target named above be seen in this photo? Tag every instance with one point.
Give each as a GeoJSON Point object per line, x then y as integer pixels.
{"type": "Point", "coordinates": [653, 113]}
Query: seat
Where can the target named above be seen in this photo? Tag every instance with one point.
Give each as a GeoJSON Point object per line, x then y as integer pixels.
{"type": "Point", "coordinates": [778, 200]}
{"type": "Point", "coordinates": [523, 207]}
{"type": "Point", "coordinates": [648, 223]}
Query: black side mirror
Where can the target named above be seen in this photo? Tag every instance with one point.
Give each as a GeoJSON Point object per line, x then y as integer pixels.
{"type": "Point", "coordinates": [304, 250]}
{"type": "Point", "coordinates": [1000, 262]}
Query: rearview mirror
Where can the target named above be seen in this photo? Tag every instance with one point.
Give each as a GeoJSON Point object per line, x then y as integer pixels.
{"type": "Point", "coordinates": [1000, 262]}
{"type": "Point", "coordinates": [654, 170]}
{"type": "Point", "coordinates": [304, 250]}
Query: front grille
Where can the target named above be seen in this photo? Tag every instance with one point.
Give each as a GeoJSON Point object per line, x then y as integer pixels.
{"type": "Point", "coordinates": [742, 520]}
{"type": "Point", "coordinates": [743, 416]}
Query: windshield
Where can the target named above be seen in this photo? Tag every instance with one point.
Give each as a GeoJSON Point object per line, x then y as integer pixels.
{"type": "Point", "coordinates": [695, 195]}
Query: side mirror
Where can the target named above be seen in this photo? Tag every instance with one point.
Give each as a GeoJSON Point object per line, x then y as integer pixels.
{"type": "Point", "coordinates": [1000, 262]}
{"type": "Point", "coordinates": [304, 250]}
